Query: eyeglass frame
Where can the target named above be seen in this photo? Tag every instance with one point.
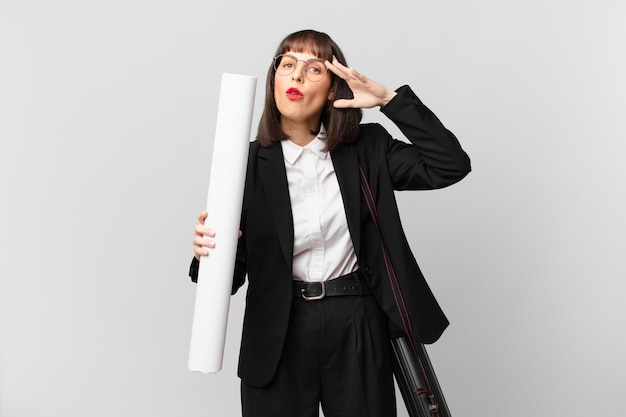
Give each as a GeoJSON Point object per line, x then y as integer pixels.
{"type": "Point", "coordinates": [294, 68]}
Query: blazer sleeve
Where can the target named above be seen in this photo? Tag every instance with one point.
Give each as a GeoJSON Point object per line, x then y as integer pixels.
{"type": "Point", "coordinates": [193, 269]}
{"type": "Point", "coordinates": [434, 158]}
{"type": "Point", "coordinates": [239, 274]}
{"type": "Point", "coordinates": [238, 278]}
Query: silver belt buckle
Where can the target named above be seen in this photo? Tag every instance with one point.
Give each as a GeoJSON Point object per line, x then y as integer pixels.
{"type": "Point", "coordinates": [315, 297]}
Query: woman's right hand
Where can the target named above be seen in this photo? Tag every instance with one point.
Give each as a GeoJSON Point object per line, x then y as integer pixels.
{"type": "Point", "coordinates": [202, 240]}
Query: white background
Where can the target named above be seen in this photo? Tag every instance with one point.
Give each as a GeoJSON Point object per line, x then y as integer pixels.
{"type": "Point", "coordinates": [107, 112]}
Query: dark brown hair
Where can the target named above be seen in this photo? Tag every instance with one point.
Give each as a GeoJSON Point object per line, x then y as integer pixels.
{"type": "Point", "coordinates": [342, 125]}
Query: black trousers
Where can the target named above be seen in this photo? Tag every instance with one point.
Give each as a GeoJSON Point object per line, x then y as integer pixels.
{"type": "Point", "coordinates": [337, 354]}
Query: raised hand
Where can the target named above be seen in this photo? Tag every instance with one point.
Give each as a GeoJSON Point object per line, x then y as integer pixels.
{"type": "Point", "coordinates": [367, 93]}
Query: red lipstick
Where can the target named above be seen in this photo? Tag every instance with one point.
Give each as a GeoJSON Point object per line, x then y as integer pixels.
{"type": "Point", "coordinates": [294, 94]}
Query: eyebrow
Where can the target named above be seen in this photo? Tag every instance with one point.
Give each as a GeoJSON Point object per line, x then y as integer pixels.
{"type": "Point", "coordinates": [303, 60]}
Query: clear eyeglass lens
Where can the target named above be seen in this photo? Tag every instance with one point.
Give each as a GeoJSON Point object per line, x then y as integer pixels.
{"type": "Point", "coordinates": [285, 65]}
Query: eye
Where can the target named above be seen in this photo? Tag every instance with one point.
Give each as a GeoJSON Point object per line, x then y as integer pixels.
{"type": "Point", "coordinates": [287, 62]}
{"type": "Point", "coordinates": [316, 67]}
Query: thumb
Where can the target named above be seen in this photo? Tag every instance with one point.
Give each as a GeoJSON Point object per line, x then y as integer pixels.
{"type": "Point", "coordinates": [343, 103]}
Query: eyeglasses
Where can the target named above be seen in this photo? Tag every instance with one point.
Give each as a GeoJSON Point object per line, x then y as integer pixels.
{"type": "Point", "coordinates": [314, 70]}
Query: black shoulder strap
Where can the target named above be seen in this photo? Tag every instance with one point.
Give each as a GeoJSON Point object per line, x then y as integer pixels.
{"type": "Point", "coordinates": [416, 378]}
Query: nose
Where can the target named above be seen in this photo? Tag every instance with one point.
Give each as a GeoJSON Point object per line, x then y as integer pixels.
{"type": "Point", "coordinates": [298, 72]}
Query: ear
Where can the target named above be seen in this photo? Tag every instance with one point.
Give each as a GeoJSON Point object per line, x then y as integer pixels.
{"type": "Point", "coordinates": [331, 95]}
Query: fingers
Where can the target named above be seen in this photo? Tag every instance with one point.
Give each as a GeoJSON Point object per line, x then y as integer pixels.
{"type": "Point", "coordinates": [203, 238]}
{"type": "Point", "coordinates": [201, 241]}
{"type": "Point", "coordinates": [335, 67]}
{"type": "Point", "coordinates": [347, 73]}
{"type": "Point", "coordinates": [201, 246]}
{"type": "Point", "coordinates": [202, 216]}
{"type": "Point", "coordinates": [202, 230]}
{"type": "Point", "coordinates": [366, 93]}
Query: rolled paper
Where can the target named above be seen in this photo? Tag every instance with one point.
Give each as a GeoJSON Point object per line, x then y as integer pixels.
{"type": "Point", "coordinates": [225, 194]}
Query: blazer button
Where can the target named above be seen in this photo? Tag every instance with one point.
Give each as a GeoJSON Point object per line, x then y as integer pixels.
{"type": "Point", "coordinates": [368, 270]}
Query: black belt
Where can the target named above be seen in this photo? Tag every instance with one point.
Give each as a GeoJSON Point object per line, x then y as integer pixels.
{"type": "Point", "coordinates": [350, 284]}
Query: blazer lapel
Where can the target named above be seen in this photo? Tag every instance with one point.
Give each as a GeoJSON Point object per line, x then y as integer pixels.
{"type": "Point", "coordinates": [271, 170]}
{"type": "Point", "coordinates": [346, 163]}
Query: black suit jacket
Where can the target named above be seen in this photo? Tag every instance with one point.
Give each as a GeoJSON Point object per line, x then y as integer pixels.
{"type": "Point", "coordinates": [433, 159]}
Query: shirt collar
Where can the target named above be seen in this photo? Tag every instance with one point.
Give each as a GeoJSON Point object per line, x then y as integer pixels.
{"type": "Point", "coordinates": [292, 152]}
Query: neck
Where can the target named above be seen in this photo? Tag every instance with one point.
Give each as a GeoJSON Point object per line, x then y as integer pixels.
{"type": "Point", "coordinates": [299, 133]}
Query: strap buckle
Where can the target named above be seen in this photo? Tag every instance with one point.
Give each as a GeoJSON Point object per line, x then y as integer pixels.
{"type": "Point", "coordinates": [315, 297]}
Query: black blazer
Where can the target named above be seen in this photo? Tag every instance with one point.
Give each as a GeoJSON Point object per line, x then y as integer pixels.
{"type": "Point", "coordinates": [433, 159]}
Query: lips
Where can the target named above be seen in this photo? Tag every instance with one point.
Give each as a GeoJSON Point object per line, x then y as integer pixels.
{"type": "Point", "coordinates": [294, 94]}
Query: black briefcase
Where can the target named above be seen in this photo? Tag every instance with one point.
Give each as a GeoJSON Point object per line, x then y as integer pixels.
{"type": "Point", "coordinates": [417, 381]}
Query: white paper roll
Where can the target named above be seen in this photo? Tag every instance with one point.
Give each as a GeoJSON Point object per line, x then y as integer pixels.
{"type": "Point", "coordinates": [225, 194]}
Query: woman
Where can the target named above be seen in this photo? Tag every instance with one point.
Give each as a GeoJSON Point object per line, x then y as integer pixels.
{"type": "Point", "coordinates": [320, 308]}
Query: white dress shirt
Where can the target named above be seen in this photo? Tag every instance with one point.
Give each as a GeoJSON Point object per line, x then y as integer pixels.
{"type": "Point", "coordinates": [322, 248]}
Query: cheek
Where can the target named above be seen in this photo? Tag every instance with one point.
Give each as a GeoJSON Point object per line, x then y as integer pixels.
{"type": "Point", "coordinates": [278, 97]}
{"type": "Point", "coordinates": [328, 94]}
{"type": "Point", "coordinates": [276, 86]}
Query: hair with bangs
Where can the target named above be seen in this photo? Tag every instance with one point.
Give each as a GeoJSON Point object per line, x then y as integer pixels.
{"type": "Point", "coordinates": [342, 125]}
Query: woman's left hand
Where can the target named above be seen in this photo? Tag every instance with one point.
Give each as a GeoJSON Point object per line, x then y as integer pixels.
{"type": "Point", "coordinates": [367, 93]}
